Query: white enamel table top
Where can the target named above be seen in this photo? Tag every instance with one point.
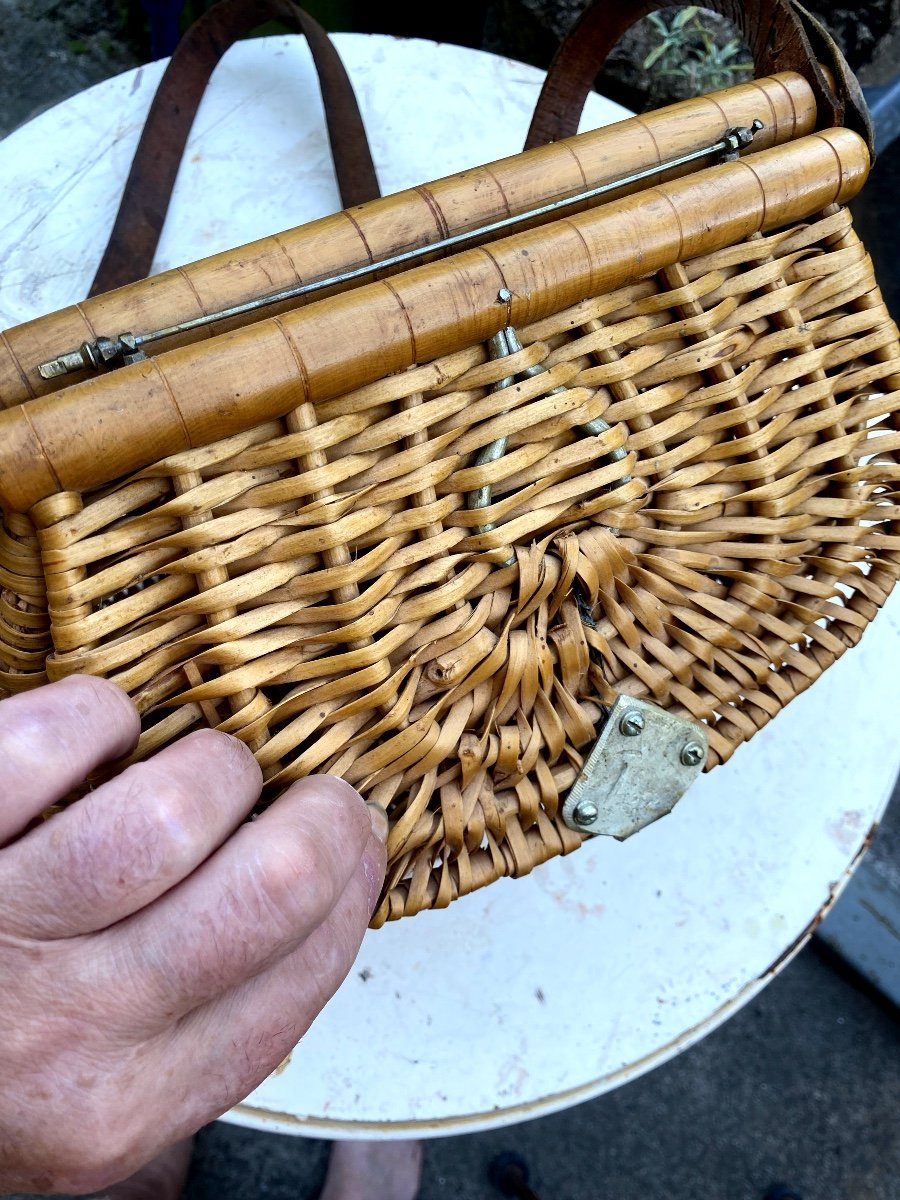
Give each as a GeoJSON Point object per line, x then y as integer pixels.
{"type": "Point", "coordinates": [534, 994]}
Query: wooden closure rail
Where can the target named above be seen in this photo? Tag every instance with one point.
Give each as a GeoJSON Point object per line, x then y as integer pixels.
{"type": "Point", "coordinates": [112, 425]}
{"type": "Point", "coordinates": [397, 223]}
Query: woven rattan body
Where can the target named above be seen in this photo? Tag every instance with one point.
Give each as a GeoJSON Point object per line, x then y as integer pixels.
{"type": "Point", "coordinates": [318, 585]}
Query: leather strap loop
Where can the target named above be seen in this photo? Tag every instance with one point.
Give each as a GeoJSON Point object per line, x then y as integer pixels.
{"type": "Point", "coordinates": [145, 199]}
{"type": "Point", "coordinates": [779, 33]}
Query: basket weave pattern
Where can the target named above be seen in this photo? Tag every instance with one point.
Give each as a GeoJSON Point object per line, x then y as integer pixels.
{"type": "Point", "coordinates": [318, 586]}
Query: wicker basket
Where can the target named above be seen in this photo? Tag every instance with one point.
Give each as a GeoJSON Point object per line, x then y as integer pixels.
{"type": "Point", "coordinates": [426, 532]}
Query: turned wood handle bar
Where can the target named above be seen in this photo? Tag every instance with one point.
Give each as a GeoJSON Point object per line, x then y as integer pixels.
{"type": "Point", "coordinates": [410, 219]}
{"type": "Point", "coordinates": [103, 428]}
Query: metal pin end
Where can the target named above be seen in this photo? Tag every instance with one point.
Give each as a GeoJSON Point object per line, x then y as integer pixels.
{"type": "Point", "coordinates": [504, 296]}
{"type": "Point", "coordinates": [100, 355]}
{"type": "Point", "coordinates": [744, 134]}
{"type": "Point", "coordinates": [738, 138]}
{"type": "Point", "coordinates": [65, 364]}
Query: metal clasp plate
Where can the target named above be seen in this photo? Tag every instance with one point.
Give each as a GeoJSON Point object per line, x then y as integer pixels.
{"type": "Point", "coordinates": [643, 762]}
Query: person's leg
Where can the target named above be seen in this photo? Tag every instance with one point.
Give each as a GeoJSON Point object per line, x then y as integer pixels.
{"type": "Point", "coordinates": [363, 1170]}
{"type": "Point", "coordinates": [356, 1171]}
{"type": "Point", "coordinates": [162, 1178]}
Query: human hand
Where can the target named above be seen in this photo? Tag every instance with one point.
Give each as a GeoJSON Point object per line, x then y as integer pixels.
{"type": "Point", "coordinates": [158, 957]}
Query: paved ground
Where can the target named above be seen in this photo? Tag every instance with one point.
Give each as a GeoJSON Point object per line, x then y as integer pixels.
{"type": "Point", "coordinates": [802, 1086]}
{"type": "Point", "coordinates": [50, 49]}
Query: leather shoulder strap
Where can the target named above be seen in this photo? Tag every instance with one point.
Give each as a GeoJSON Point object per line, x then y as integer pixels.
{"type": "Point", "coordinates": [781, 36]}
{"type": "Point", "coordinates": [145, 199]}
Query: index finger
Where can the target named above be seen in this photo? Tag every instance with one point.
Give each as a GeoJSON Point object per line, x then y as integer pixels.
{"type": "Point", "coordinates": [52, 738]}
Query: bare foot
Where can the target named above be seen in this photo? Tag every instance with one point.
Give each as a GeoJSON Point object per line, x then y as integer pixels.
{"type": "Point", "coordinates": [162, 1178]}
{"type": "Point", "coordinates": [370, 1170]}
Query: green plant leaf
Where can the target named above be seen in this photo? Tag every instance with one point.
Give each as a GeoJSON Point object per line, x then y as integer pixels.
{"type": "Point", "coordinates": [658, 23]}
{"type": "Point", "coordinates": [655, 55]}
{"type": "Point", "coordinates": [684, 16]}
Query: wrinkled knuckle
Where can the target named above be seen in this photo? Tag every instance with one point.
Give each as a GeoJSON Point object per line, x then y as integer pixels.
{"type": "Point", "coordinates": [36, 728]}
{"type": "Point", "coordinates": [309, 882]}
{"type": "Point", "coordinates": [300, 886]}
{"type": "Point", "coordinates": [170, 827]}
{"type": "Point", "coordinates": [29, 734]}
{"type": "Point", "coordinates": [148, 836]}
{"type": "Point", "coordinates": [286, 873]}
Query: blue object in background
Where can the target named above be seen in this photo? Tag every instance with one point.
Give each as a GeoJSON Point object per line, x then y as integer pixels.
{"type": "Point", "coordinates": [864, 926]}
{"type": "Point", "coordinates": [884, 105]}
{"type": "Point", "coordinates": [165, 25]}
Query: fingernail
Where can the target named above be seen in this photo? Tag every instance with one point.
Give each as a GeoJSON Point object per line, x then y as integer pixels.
{"type": "Point", "coordinates": [374, 874]}
{"type": "Point", "coordinates": [379, 819]}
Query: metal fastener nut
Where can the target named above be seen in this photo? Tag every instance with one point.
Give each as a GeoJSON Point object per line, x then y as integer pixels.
{"type": "Point", "coordinates": [692, 754]}
{"type": "Point", "coordinates": [632, 723]}
{"type": "Point", "coordinates": [586, 812]}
